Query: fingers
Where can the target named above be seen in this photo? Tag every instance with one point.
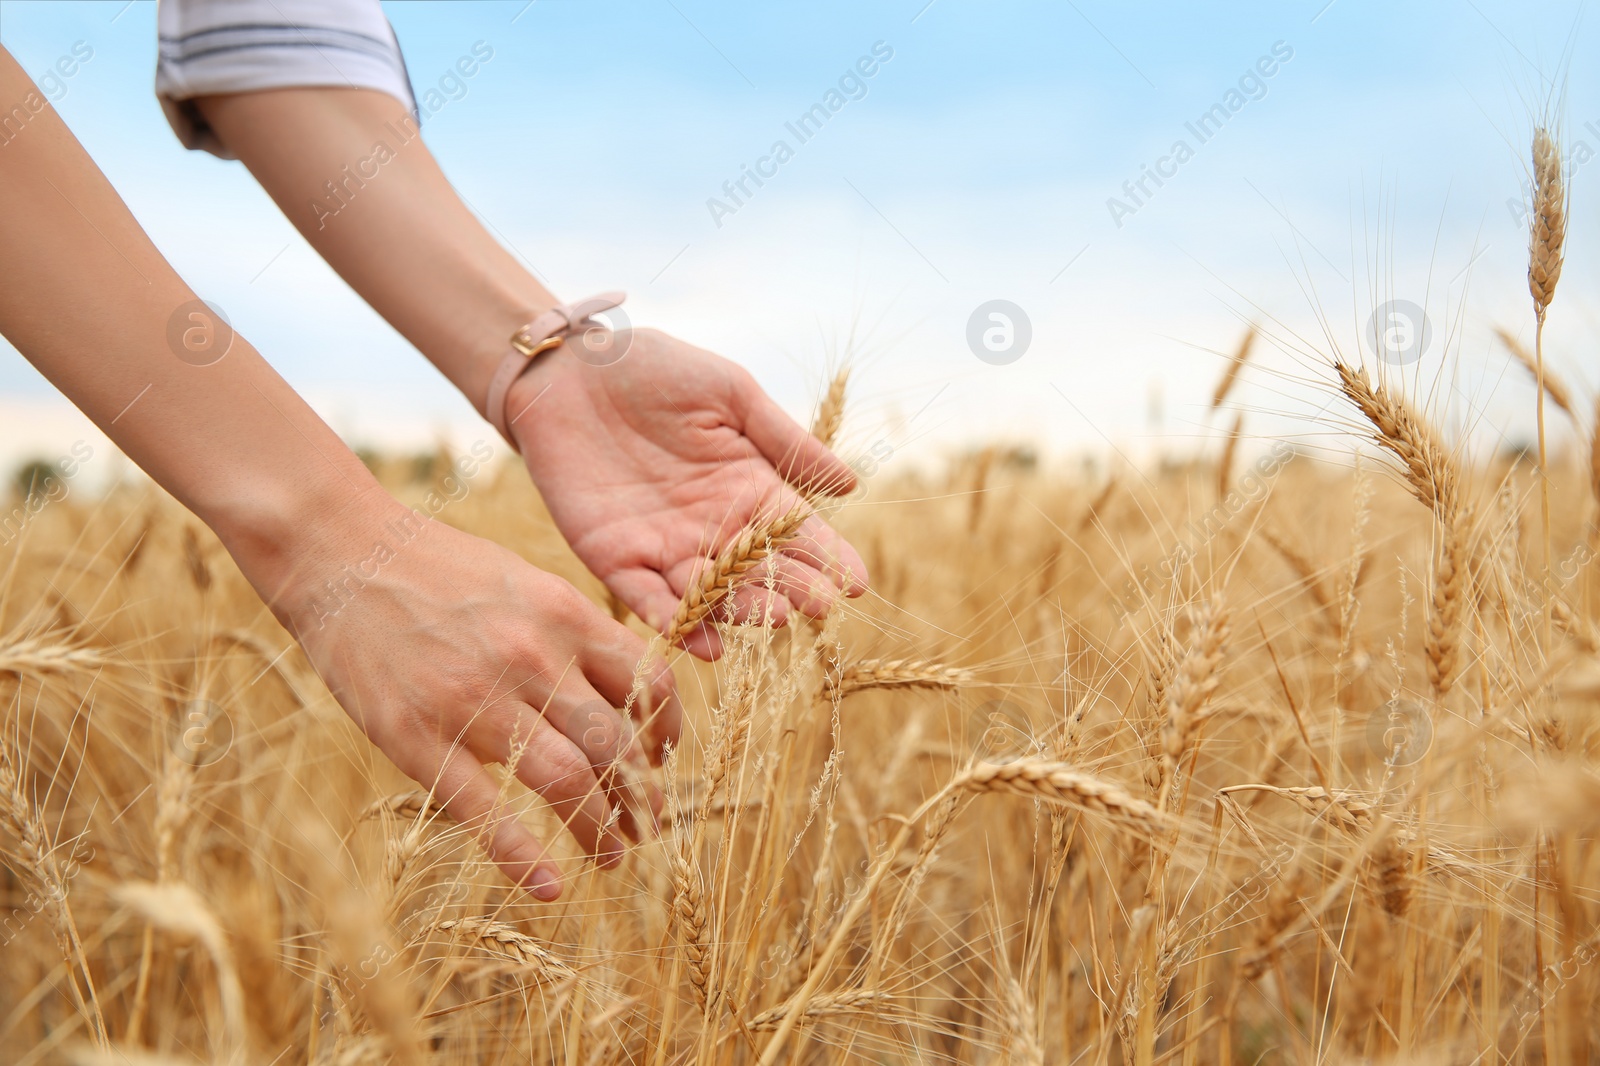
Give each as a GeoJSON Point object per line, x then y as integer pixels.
{"type": "Point", "coordinates": [647, 594]}
{"type": "Point", "coordinates": [819, 545]}
{"type": "Point", "coordinates": [610, 662]}
{"type": "Point", "coordinates": [595, 728]}
{"type": "Point", "coordinates": [472, 797]}
{"type": "Point", "coordinates": [809, 590]}
{"type": "Point", "coordinates": [799, 458]}
{"type": "Point", "coordinates": [553, 767]}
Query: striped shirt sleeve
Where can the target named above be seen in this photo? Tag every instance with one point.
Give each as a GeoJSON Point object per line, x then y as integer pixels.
{"type": "Point", "coordinates": [209, 47]}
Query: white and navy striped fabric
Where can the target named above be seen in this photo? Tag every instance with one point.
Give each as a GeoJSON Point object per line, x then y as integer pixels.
{"type": "Point", "coordinates": [210, 47]}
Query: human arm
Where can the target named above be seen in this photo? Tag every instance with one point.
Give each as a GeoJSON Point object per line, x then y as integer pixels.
{"type": "Point", "coordinates": [442, 650]}
{"type": "Point", "coordinates": [649, 465]}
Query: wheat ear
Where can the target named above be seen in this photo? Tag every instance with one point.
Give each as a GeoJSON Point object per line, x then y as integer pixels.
{"type": "Point", "coordinates": [180, 910]}
{"type": "Point", "coordinates": [404, 806]}
{"type": "Point", "coordinates": [1403, 433]}
{"type": "Point", "coordinates": [830, 1004]}
{"type": "Point", "coordinates": [1309, 573]}
{"type": "Point", "coordinates": [1060, 783]}
{"type": "Point", "coordinates": [1547, 227]}
{"type": "Point", "coordinates": [37, 655]}
{"type": "Point", "coordinates": [1241, 355]}
{"type": "Point", "coordinates": [1189, 699]}
{"type": "Point", "coordinates": [39, 870]}
{"type": "Point", "coordinates": [893, 673]}
{"type": "Point", "coordinates": [716, 582]}
{"type": "Point", "coordinates": [507, 941]}
{"type": "Point", "coordinates": [1433, 479]}
{"type": "Point", "coordinates": [1547, 235]}
{"type": "Point", "coordinates": [830, 412]}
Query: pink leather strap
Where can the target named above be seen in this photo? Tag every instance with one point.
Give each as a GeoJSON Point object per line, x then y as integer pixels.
{"type": "Point", "coordinates": [528, 343]}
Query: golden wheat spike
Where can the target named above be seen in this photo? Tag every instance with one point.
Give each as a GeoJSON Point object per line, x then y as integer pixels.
{"type": "Point", "coordinates": [830, 412]}
{"type": "Point", "coordinates": [508, 942]}
{"type": "Point", "coordinates": [39, 655]}
{"type": "Point", "coordinates": [404, 806]}
{"type": "Point", "coordinates": [1547, 227]}
{"type": "Point", "coordinates": [893, 673]}
{"type": "Point", "coordinates": [1398, 429]}
{"type": "Point", "coordinates": [859, 1001]}
{"type": "Point", "coordinates": [717, 581]}
{"type": "Point", "coordinates": [1060, 783]}
{"type": "Point", "coordinates": [1241, 356]}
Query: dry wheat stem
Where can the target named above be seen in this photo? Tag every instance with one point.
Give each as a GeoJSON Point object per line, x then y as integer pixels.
{"type": "Point", "coordinates": [1547, 231]}
{"type": "Point", "coordinates": [1225, 461]}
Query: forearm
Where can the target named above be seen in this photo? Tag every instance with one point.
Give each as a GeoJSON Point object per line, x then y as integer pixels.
{"type": "Point", "coordinates": [87, 298]}
{"type": "Point", "coordinates": [349, 169]}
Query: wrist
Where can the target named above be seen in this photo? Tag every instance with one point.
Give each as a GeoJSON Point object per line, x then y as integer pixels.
{"type": "Point", "coordinates": [486, 338]}
{"type": "Point", "coordinates": [535, 393]}
{"type": "Point", "coordinates": [289, 539]}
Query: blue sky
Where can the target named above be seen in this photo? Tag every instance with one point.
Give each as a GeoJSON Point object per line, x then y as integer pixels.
{"type": "Point", "coordinates": [1375, 163]}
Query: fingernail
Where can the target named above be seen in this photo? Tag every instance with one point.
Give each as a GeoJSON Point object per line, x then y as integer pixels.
{"type": "Point", "coordinates": [545, 884]}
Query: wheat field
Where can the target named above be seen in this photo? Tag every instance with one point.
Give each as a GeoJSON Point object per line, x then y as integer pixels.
{"type": "Point", "coordinates": [1240, 758]}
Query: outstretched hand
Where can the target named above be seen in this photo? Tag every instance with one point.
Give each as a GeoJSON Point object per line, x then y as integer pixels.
{"type": "Point", "coordinates": [652, 463]}
{"type": "Point", "coordinates": [451, 653]}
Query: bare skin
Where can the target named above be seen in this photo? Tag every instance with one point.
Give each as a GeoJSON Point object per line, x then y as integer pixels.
{"type": "Point", "coordinates": [450, 649]}
{"type": "Point", "coordinates": [649, 464]}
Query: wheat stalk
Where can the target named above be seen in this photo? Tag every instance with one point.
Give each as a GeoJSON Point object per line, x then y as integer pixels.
{"type": "Point", "coordinates": [1434, 480]}
{"type": "Point", "coordinates": [1225, 461]}
{"type": "Point", "coordinates": [1547, 234]}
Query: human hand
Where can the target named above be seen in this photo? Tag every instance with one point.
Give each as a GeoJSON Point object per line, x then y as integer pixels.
{"type": "Point", "coordinates": [451, 652]}
{"type": "Point", "coordinates": [652, 463]}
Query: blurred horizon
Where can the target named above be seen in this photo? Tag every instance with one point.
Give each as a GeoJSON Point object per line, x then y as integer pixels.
{"type": "Point", "coordinates": [1015, 151]}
